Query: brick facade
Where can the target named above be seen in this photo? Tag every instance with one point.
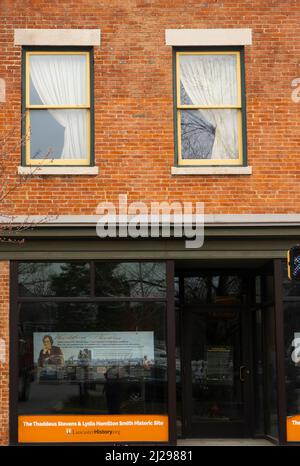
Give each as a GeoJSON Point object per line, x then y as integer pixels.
{"type": "Point", "coordinates": [134, 104]}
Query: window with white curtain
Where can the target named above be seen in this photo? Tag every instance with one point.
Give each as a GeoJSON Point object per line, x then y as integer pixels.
{"type": "Point", "coordinates": [209, 108]}
{"type": "Point", "coordinates": [57, 108]}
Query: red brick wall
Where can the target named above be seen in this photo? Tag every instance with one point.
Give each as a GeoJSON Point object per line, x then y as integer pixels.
{"type": "Point", "coordinates": [4, 319]}
{"type": "Point", "coordinates": [134, 105]}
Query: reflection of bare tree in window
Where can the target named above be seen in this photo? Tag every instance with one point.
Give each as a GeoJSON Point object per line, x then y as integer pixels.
{"type": "Point", "coordinates": [207, 288]}
{"type": "Point", "coordinates": [144, 279]}
{"type": "Point", "coordinates": [54, 278]}
{"type": "Point", "coordinates": [228, 286]}
{"type": "Point", "coordinates": [196, 289]}
{"type": "Point", "coordinates": [197, 134]}
{"type": "Point", "coordinates": [34, 279]}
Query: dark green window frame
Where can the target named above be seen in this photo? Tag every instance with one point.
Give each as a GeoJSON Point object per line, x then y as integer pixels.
{"type": "Point", "coordinates": [24, 130]}
{"type": "Point", "coordinates": [220, 49]}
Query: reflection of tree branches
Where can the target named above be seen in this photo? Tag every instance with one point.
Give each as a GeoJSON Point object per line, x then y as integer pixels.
{"type": "Point", "coordinates": [131, 279]}
{"type": "Point", "coordinates": [34, 278]}
{"type": "Point", "coordinates": [229, 285]}
{"type": "Point", "coordinates": [205, 289]}
{"type": "Point", "coordinates": [197, 134]}
{"type": "Point", "coordinates": [112, 279]}
{"type": "Point", "coordinates": [55, 278]}
{"type": "Point", "coordinates": [196, 288]}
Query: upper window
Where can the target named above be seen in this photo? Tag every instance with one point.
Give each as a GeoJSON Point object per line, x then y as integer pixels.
{"type": "Point", "coordinates": [57, 108]}
{"type": "Point", "coordinates": [209, 108]}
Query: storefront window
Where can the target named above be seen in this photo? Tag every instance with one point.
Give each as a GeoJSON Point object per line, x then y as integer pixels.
{"type": "Point", "coordinates": [54, 279]}
{"type": "Point", "coordinates": [291, 306]}
{"type": "Point", "coordinates": [144, 279]}
{"type": "Point", "coordinates": [217, 289]}
{"type": "Point", "coordinates": [270, 373]}
{"type": "Point", "coordinates": [104, 361]}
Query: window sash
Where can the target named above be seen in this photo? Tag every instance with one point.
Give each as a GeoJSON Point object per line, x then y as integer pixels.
{"type": "Point", "coordinates": [179, 108]}
{"type": "Point", "coordinates": [28, 107]}
{"type": "Point", "coordinates": [190, 161]}
{"type": "Point", "coordinates": [55, 162]}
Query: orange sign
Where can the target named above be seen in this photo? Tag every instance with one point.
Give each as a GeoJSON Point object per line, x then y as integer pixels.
{"type": "Point", "coordinates": [102, 428]}
{"type": "Point", "coordinates": [293, 428]}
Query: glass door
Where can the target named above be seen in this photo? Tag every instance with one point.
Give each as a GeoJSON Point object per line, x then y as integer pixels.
{"type": "Point", "coordinates": [216, 376]}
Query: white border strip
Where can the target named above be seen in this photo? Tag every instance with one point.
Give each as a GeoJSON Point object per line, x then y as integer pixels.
{"type": "Point", "coordinates": [211, 171]}
{"type": "Point", "coordinates": [60, 37]}
{"type": "Point", "coordinates": [206, 37]}
{"type": "Point", "coordinates": [57, 171]}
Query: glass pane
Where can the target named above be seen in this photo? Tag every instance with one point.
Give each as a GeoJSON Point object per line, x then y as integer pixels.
{"type": "Point", "coordinates": [271, 373]}
{"type": "Point", "coordinates": [179, 381]}
{"type": "Point", "coordinates": [54, 279]}
{"type": "Point", "coordinates": [292, 357]}
{"type": "Point", "coordinates": [209, 134]}
{"type": "Point", "coordinates": [217, 393]}
{"type": "Point", "coordinates": [267, 284]}
{"type": "Point", "coordinates": [291, 288]}
{"type": "Point", "coordinates": [58, 79]}
{"type": "Point", "coordinates": [222, 289]}
{"type": "Point", "coordinates": [58, 134]}
{"type": "Point", "coordinates": [258, 368]}
{"type": "Point", "coordinates": [209, 79]}
{"type": "Point", "coordinates": [144, 279]}
{"type": "Point", "coordinates": [92, 359]}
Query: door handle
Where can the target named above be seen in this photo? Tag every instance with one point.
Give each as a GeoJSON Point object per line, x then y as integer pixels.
{"type": "Point", "coordinates": [242, 368]}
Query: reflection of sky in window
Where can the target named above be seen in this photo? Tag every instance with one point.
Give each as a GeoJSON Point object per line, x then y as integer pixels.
{"type": "Point", "coordinates": [34, 97]}
{"type": "Point", "coordinates": [46, 134]}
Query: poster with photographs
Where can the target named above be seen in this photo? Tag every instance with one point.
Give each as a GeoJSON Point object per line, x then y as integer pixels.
{"type": "Point", "coordinates": [91, 356]}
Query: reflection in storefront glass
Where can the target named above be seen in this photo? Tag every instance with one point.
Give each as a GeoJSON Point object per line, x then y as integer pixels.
{"type": "Point", "coordinates": [222, 289]}
{"type": "Point", "coordinates": [112, 279]}
{"type": "Point", "coordinates": [292, 359]}
{"type": "Point", "coordinates": [291, 288]}
{"type": "Point", "coordinates": [215, 359]}
{"type": "Point", "coordinates": [107, 358]}
{"type": "Point", "coordinates": [291, 307]}
{"type": "Point", "coordinates": [54, 279]}
{"type": "Point", "coordinates": [271, 372]}
{"type": "Point", "coordinates": [139, 279]}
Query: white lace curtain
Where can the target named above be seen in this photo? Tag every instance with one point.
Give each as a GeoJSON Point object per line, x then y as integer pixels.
{"type": "Point", "coordinates": [211, 80]}
{"type": "Point", "coordinates": [61, 80]}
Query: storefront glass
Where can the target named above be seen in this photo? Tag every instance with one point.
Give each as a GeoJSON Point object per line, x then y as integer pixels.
{"type": "Point", "coordinates": [86, 351]}
{"type": "Point", "coordinates": [291, 307]}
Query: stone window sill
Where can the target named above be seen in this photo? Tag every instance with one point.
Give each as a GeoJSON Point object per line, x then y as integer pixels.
{"type": "Point", "coordinates": [211, 171]}
{"type": "Point", "coordinates": [58, 171]}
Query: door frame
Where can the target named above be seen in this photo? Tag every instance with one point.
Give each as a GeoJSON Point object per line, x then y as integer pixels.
{"type": "Point", "coordinates": [228, 429]}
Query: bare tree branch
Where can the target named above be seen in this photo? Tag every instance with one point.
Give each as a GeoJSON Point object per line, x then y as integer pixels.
{"type": "Point", "coordinates": [10, 227]}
